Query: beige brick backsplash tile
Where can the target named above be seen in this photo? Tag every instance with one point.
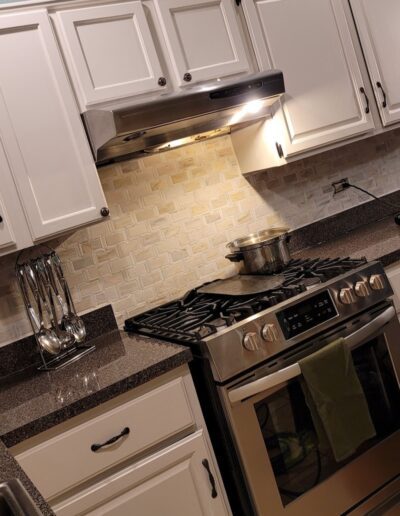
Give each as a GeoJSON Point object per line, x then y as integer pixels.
{"type": "Point", "coordinates": [145, 214]}
{"type": "Point", "coordinates": [142, 256]}
{"type": "Point", "coordinates": [115, 238]}
{"type": "Point", "coordinates": [129, 287]}
{"type": "Point", "coordinates": [157, 262]}
{"type": "Point", "coordinates": [105, 255]}
{"type": "Point", "coordinates": [82, 263]}
{"type": "Point", "coordinates": [89, 288]}
{"type": "Point", "coordinates": [153, 199]}
{"type": "Point", "coordinates": [166, 207]}
{"type": "Point", "coordinates": [134, 272]}
{"type": "Point", "coordinates": [120, 264]}
{"type": "Point", "coordinates": [150, 239]}
{"type": "Point", "coordinates": [180, 177]}
{"type": "Point", "coordinates": [160, 184]}
{"type": "Point", "coordinates": [179, 254]}
{"type": "Point", "coordinates": [151, 278]}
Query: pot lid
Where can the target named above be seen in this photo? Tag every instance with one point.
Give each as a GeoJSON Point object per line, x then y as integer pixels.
{"type": "Point", "coordinates": [258, 238]}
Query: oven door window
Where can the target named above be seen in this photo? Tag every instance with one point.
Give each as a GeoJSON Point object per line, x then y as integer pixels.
{"type": "Point", "coordinates": [299, 461]}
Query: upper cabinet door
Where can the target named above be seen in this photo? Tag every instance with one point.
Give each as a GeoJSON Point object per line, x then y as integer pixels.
{"type": "Point", "coordinates": [378, 27]}
{"type": "Point", "coordinates": [203, 38]}
{"type": "Point", "coordinates": [14, 232]}
{"type": "Point", "coordinates": [110, 52]}
{"type": "Point", "coordinates": [41, 130]}
{"type": "Point", "coordinates": [310, 42]}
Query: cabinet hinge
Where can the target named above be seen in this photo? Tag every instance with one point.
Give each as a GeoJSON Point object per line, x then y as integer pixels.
{"type": "Point", "coordinates": [238, 2]}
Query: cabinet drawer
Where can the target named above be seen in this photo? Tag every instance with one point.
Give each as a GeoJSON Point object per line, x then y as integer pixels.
{"type": "Point", "coordinates": [68, 459]}
{"type": "Point", "coordinates": [172, 482]}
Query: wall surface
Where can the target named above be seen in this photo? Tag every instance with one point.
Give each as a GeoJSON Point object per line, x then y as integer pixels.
{"type": "Point", "coordinates": [172, 215]}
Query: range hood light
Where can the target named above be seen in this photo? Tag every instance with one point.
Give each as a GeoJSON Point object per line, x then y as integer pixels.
{"type": "Point", "coordinates": [174, 119]}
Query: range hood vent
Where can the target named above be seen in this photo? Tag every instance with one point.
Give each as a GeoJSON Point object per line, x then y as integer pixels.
{"type": "Point", "coordinates": [175, 119]}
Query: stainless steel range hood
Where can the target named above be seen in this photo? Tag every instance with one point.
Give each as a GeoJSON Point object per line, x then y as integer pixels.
{"type": "Point", "coordinates": [176, 119]}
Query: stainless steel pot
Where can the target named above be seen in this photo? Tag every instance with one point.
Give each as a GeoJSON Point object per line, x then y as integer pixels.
{"type": "Point", "coordinates": [264, 252]}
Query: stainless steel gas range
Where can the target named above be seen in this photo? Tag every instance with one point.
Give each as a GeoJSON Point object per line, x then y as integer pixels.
{"type": "Point", "coordinates": [247, 335]}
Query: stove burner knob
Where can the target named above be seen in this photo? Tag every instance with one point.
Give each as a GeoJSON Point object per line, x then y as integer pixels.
{"type": "Point", "coordinates": [347, 296]}
{"type": "Point", "coordinates": [361, 289]}
{"type": "Point", "coordinates": [251, 341]}
{"type": "Point", "coordinates": [376, 282]}
{"type": "Point", "coordinates": [269, 333]}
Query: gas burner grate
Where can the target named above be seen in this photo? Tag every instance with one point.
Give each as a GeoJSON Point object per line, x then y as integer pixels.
{"type": "Point", "coordinates": [198, 315]}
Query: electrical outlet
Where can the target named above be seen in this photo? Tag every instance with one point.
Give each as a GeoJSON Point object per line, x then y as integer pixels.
{"type": "Point", "coordinates": [339, 186]}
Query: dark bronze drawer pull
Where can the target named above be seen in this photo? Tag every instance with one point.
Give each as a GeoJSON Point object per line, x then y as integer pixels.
{"type": "Point", "coordinates": [366, 99]}
{"type": "Point", "coordinates": [214, 493]}
{"type": "Point", "coordinates": [379, 85]}
{"type": "Point", "coordinates": [96, 447]}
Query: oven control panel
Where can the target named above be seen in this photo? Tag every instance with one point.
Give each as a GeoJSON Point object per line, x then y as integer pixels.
{"type": "Point", "coordinates": [307, 314]}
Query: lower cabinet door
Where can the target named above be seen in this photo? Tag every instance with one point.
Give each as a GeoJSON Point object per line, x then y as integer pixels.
{"type": "Point", "coordinates": [178, 481]}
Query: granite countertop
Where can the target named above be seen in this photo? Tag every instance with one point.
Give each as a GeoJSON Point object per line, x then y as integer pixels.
{"type": "Point", "coordinates": [10, 469]}
{"type": "Point", "coordinates": [379, 240]}
{"type": "Point", "coordinates": [33, 401]}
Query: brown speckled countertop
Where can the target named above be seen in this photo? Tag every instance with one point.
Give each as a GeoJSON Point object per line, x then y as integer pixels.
{"type": "Point", "coordinates": [378, 240]}
{"type": "Point", "coordinates": [10, 469]}
{"type": "Point", "coordinates": [33, 401]}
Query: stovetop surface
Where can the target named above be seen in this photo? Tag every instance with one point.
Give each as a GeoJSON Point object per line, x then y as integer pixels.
{"type": "Point", "coordinates": [198, 315]}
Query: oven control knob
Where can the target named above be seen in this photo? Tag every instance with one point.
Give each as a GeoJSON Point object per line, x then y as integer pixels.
{"type": "Point", "coordinates": [376, 282]}
{"type": "Point", "coordinates": [251, 341]}
{"type": "Point", "coordinates": [269, 333]}
{"type": "Point", "coordinates": [347, 296]}
{"type": "Point", "coordinates": [361, 289]}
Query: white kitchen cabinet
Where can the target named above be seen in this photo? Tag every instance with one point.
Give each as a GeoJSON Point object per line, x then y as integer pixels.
{"type": "Point", "coordinates": [14, 232]}
{"type": "Point", "coordinates": [41, 131]}
{"type": "Point", "coordinates": [377, 23]}
{"type": "Point", "coordinates": [173, 482]}
{"type": "Point", "coordinates": [110, 52]}
{"type": "Point", "coordinates": [162, 465]}
{"type": "Point", "coordinates": [203, 38]}
{"type": "Point", "coordinates": [310, 42]}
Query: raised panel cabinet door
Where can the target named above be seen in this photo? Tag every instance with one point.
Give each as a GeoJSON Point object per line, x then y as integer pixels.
{"type": "Point", "coordinates": [203, 39]}
{"type": "Point", "coordinates": [110, 52]}
{"type": "Point", "coordinates": [310, 42]}
{"type": "Point", "coordinates": [173, 482]}
{"type": "Point", "coordinates": [14, 233]}
{"type": "Point", "coordinates": [377, 23]}
{"type": "Point", "coordinates": [42, 132]}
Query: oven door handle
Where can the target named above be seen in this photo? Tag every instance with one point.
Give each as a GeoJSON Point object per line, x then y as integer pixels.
{"type": "Point", "coordinates": [287, 373]}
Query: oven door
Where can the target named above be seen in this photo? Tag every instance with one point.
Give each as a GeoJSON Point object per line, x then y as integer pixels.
{"type": "Point", "coordinates": [287, 471]}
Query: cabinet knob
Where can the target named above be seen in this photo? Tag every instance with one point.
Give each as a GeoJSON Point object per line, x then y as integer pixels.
{"type": "Point", "coordinates": [1, 219]}
{"type": "Point", "coordinates": [187, 77]}
{"type": "Point", "coordinates": [104, 212]}
{"type": "Point", "coordinates": [162, 81]}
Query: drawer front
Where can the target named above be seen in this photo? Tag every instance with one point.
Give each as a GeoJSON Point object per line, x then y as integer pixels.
{"type": "Point", "coordinates": [68, 459]}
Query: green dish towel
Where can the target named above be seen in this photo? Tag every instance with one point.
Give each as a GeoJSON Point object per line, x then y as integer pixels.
{"type": "Point", "coordinates": [336, 399]}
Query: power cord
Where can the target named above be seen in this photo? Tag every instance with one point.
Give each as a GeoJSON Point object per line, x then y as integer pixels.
{"type": "Point", "coordinates": [344, 184]}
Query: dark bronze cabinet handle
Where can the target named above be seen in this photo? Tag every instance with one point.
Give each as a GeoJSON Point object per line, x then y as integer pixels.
{"type": "Point", "coordinates": [162, 81]}
{"type": "Point", "coordinates": [366, 99]}
{"type": "Point", "coordinates": [104, 212]}
{"type": "Point", "coordinates": [214, 493]}
{"type": "Point", "coordinates": [187, 77]}
{"type": "Point", "coordinates": [1, 219]}
{"type": "Point", "coordinates": [279, 149]}
{"type": "Point", "coordinates": [96, 447]}
{"type": "Point", "coordinates": [379, 85]}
